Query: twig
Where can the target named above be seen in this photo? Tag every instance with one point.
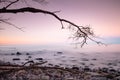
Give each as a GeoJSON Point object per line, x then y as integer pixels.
{"type": "Point", "coordinates": [11, 4]}
{"type": "Point", "coordinates": [4, 21]}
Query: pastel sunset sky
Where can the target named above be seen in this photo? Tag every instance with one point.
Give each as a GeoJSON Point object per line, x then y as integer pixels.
{"type": "Point", "coordinates": [103, 16]}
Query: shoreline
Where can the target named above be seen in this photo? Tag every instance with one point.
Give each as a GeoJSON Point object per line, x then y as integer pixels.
{"type": "Point", "coordinates": [65, 59]}
{"type": "Point", "coordinates": [39, 72]}
{"type": "Point", "coordinates": [59, 65]}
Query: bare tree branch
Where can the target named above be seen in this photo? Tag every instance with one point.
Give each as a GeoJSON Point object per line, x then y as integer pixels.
{"type": "Point", "coordinates": [80, 32]}
{"type": "Point", "coordinates": [11, 3]}
{"type": "Point", "coordinates": [4, 21]}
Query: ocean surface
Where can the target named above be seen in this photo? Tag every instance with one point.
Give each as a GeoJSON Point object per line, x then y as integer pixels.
{"type": "Point", "coordinates": [93, 56]}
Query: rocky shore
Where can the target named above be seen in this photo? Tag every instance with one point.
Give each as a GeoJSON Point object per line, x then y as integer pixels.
{"type": "Point", "coordinates": [36, 71]}
{"type": "Point", "coordinates": [58, 66]}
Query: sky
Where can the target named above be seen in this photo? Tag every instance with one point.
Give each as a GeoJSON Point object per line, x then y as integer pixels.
{"type": "Point", "coordinates": [103, 16]}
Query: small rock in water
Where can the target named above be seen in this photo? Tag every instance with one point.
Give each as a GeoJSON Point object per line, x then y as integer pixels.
{"type": "Point", "coordinates": [57, 66]}
{"type": "Point", "coordinates": [82, 63]}
{"type": "Point", "coordinates": [112, 70]}
{"type": "Point", "coordinates": [59, 52]}
{"type": "Point", "coordinates": [18, 53]}
{"type": "Point", "coordinates": [104, 69]}
{"type": "Point", "coordinates": [87, 69]}
{"type": "Point", "coordinates": [27, 54]}
{"type": "Point", "coordinates": [26, 59]}
{"type": "Point", "coordinates": [16, 59]}
{"type": "Point", "coordinates": [50, 64]}
{"type": "Point", "coordinates": [39, 58]}
{"type": "Point", "coordinates": [92, 64]}
{"type": "Point", "coordinates": [94, 59]}
{"type": "Point", "coordinates": [75, 68]}
{"type": "Point", "coordinates": [12, 53]}
{"type": "Point", "coordinates": [85, 59]}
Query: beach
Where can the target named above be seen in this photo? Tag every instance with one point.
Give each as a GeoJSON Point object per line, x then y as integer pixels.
{"type": "Point", "coordinates": [60, 65]}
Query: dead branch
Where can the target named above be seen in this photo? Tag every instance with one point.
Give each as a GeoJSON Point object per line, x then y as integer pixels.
{"type": "Point", "coordinates": [4, 70]}
{"type": "Point", "coordinates": [81, 31]}
{"type": "Point", "coordinates": [6, 22]}
{"type": "Point", "coordinates": [11, 4]}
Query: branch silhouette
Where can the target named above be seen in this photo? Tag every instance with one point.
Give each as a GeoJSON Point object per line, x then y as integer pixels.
{"type": "Point", "coordinates": [80, 32]}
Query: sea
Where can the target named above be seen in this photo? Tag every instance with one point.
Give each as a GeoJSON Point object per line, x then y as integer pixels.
{"type": "Point", "coordinates": [93, 56]}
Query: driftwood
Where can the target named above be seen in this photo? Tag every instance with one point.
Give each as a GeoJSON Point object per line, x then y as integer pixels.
{"type": "Point", "coordinates": [7, 69]}
{"type": "Point", "coordinates": [13, 72]}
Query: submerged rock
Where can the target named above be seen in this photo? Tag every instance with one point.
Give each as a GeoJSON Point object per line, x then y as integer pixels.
{"type": "Point", "coordinates": [50, 64]}
{"type": "Point", "coordinates": [18, 53]}
{"type": "Point", "coordinates": [29, 56]}
{"type": "Point", "coordinates": [94, 59]}
{"type": "Point", "coordinates": [39, 58]}
{"type": "Point", "coordinates": [14, 59]}
{"type": "Point", "coordinates": [59, 52]}
{"type": "Point", "coordinates": [27, 53]}
{"type": "Point", "coordinates": [12, 53]}
{"type": "Point", "coordinates": [85, 59]}
{"type": "Point", "coordinates": [87, 69]}
{"type": "Point", "coordinates": [75, 68]}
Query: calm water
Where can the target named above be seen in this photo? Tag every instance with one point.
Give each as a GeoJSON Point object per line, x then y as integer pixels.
{"type": "Point", "coordinates": [93, 55]}
{"type": "Point", "coordinates": [86, 48]}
